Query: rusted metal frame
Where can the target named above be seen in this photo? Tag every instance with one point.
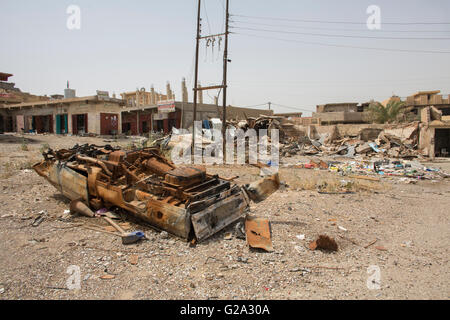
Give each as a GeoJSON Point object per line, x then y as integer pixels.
{"type": "Point", "coordinates": [203, 204]}
{"type": "Point", "coordinates": [95, 161]}
{"type": "Point", "coordinates": [204, 184]}
{"type": "Point", "coordinates": [168, 217]}
{"type": "Point", "coordinates": [219, 215]}
{"type": "Point", "coordinates": [130, 174]}
{"type": "Point", "coordinates": [213, 190]}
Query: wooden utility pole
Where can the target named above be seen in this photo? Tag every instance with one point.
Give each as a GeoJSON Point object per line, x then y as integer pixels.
{"type": "Point", "coordinates": [196, 73]}
{"type": "Point", "coordinates": [225, 68]}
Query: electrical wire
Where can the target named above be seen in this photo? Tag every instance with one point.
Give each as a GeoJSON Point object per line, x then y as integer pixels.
{"type": "Point", "coordinates": [340, 22]}
{"type": "Point", "coordinates": [338, 29]}
{"type": "Point", "coordinates": [343, 46]}
{"type": "Point", "coordinates": [340, 35]}
{"type": "Point", "coordinates": [293, 108]}
{"type": "Point", "coordinates": [255, 105]}
{"type": "Point", "coordinates": [207, 19]}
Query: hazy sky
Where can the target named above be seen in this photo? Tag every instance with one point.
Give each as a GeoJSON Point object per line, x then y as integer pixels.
{"type": "Point", "coordinates": [124, 45]}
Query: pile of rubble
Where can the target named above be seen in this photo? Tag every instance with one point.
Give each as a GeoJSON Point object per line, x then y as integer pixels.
{"type": "Point", "coordinates": [410, 170]}
{"type": "Point", "coordinates": [262, 122]}
{"type": "Point", "coordinates": [387, 144]}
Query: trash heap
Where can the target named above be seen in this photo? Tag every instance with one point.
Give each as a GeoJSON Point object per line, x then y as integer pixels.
{"type": "Point", "coordinates": [410, 169]}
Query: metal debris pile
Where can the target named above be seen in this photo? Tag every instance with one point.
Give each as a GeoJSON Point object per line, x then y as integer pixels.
{"type": "Point", "coordinates": [182, 200]}
{"type": "Point", "coordinates": [260, 123]}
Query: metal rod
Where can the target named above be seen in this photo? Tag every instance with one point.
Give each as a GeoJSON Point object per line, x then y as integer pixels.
{"type": "Point", "coordinates": [212, 35]}
{"type": "Point", "coordinates": [225, 67]}
{"type": "Point", "coordinates": [196, 74]}
{"type": "Point", "coordinates": [210, 88]}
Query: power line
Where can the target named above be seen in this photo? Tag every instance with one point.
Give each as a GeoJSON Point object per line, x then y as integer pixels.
{"type": "Point", "coordinates": [340, 29]}
{"type": "Point", "coordinates": [207, 19]}
{"type": "Point", "coordinates": [293, 108]}
{"type": "Point", "coordinates": [342, 46]}
{"type": "Point", "coordinates": [351, 82]}
{"type": "Point", "coordinates": [339, 35]}
{"type": "Point", "coordinates": [340, 22]}
{"type": "Point", "coordinates": [255, 105]}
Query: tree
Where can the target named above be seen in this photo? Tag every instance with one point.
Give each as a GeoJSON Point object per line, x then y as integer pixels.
{"type": "Point", "coordinates": [381, 114]}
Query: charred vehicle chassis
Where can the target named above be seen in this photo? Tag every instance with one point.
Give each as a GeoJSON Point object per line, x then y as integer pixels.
{"type": "Point", "coordinates": [182, 200]}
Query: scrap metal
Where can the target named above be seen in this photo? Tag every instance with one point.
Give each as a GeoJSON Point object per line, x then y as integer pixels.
{"type": "Point", "coordinates": [182, 200]}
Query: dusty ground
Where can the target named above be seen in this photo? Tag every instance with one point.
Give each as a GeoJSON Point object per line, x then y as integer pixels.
{"type": "Point", "coordinates": [409, 221]}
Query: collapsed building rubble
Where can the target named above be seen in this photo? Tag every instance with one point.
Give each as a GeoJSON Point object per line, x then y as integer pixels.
{"type": "Point", "coordinates": [182, 200]}
{"type": "Point", "coordinates": [394, 142]}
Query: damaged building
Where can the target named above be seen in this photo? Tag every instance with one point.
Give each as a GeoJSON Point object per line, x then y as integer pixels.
{"type": "Point", "coordinates": [137, 113]}
{"type": "Point", "coordinates": [11, 95]}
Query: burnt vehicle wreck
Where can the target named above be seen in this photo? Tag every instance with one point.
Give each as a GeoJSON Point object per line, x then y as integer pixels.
{"type": "Point", "coordinates": [182, 200]}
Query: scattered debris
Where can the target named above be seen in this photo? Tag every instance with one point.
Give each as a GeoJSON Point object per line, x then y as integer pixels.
{"type": "Point", "coordinates": [399, 141]}
{"type": "Point", "coordinates": [38, 221]}
{"type": "Point", "coordinates": [371, 243]}
{"type": "Point", "coordinates": [258, 233]}
{"type": "Point", "coordinates": [325, 243]}
{"type": "Point", "coordinates": [228, 236]}
{"type": "Point", "coordinates": [133, 259]}
{"type": "Point", "coordinates": [164, 235]}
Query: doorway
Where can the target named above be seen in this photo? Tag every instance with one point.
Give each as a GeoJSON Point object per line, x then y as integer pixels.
{"type": "Point", "coordinates": [442, 142]}
{"type": "Point", "coordinates": [79, 123]}
{"type": "Point", "coordinates": [62, 124]}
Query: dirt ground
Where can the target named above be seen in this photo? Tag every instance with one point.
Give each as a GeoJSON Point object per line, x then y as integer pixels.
{"type": "Point", "coordinates": [410, 223]}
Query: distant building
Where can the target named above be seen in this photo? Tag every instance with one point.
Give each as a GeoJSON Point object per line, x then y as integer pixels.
{"type": "Point", "coordinates": [151, 111]}
{"type": "Point", "coordinates": [10, 95]}
{"type": "Point", "coordinates": [83, 115]}
{"type": "Point", "coordinates": [416, 102]}
{"type": "Point", "coordinates": [334, 113]}
{"type": "Point", "coordinates": [289, 115]}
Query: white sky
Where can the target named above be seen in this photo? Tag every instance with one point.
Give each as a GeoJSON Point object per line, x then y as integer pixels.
{"type": "Point", "coordinates": [124, 45]}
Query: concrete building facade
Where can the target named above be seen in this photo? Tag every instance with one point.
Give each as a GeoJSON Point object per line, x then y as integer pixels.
{"type": "Point", "coordinates": [83, 115]}
{"type": "Point", "coordinates": [139, 112]}
{"type": "Point", "coordinates": [333, 113]}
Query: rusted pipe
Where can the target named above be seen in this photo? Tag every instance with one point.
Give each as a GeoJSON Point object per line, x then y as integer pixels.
{"type": "Point", "coordinates": [95, 161]}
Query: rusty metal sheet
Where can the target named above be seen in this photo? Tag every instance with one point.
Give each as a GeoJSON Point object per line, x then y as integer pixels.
{"type": "Point", "coordinates": [258, 233]}
{"type": "Point", "coordinates": [218, 216]}
{"type": "Point", "coordinates": [70, 183]}
{"type": "Point", "coordinates": [167, 217]}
